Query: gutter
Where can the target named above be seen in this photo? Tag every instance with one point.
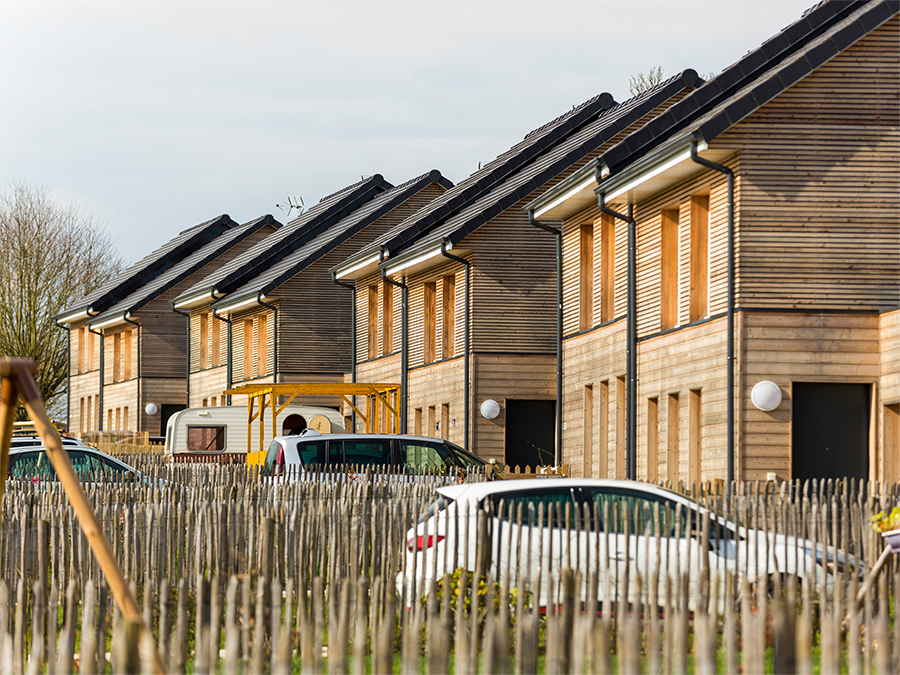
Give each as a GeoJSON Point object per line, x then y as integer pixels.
{"type": "Point", "coordinates": [466, 413]}
{"type": "Point", "coordinates": [139, 411]}
{"type": "Point", "coordinates": [404, 345]}
{"type": "Point", "coordinates": [559, 328]}
{"type": "Point", "coordinates": [630, 333]}
{"type": "Point", "coordinates": [187, 382]}
{"type": "Point", "coordinates": [68, 330]}
{"type": "Point", "coordinates": [352, 288]}
{"type": "Point", "coordinates": [730, 360]}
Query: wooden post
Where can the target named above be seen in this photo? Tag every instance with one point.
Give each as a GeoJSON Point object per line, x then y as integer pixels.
{"type": "Point", "coordinates": [19, 373]}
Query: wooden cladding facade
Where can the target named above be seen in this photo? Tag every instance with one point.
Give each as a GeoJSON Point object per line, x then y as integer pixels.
{"type": "Point", "coordinates": [817, 275]}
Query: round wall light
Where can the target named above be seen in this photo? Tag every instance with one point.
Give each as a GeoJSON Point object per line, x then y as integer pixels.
{"type": "Point", "coordinates": [151, 409]}
{"type": "Point", "coordinates": [490, 409]}
{"type": "Point", "coordinates": [766, 395]}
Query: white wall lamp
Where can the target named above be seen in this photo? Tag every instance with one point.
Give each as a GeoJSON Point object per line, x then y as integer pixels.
{"type": "Point", "coordinates": [766, 395]}
{"type": "Point", "coordinates": [151, 409]}
{"type": "Point", "coordinates": [490, 409]}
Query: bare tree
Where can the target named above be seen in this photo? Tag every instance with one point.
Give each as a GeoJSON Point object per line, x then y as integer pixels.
{"type": "Point", "coordinates": [50, 255]}
{"type": "Point", "coordinates": [640, 83]}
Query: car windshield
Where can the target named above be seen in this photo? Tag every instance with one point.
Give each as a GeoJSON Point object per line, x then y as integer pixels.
{"type": "Point", "coordinates": [467, 459]}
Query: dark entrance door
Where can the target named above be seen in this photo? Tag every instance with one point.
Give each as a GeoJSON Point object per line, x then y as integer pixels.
{"type": "Point", "coordinates": [530, 433]}
{"type": "Point", "coordinates": [830, 430]}
{"type": "Point", "coordinates": [168, 409]}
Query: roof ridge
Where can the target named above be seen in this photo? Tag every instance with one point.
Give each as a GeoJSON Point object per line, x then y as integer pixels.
{"type": "Point", "coordinates": [349, 187]}
{"type": "Point", "coordinates": [604, 98]}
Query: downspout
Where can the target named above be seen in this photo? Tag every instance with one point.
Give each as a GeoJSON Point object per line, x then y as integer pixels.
{"type": "Point", "coordinates": [559, 329]}
{"type": "Point", "coordinates": [274, 309]}
{"type": "Point", "coordinates": [138, 411]}
{"type": "Point", "coordinates": [404, 344]}
{"type": "Point", "coordinates": [102, 376]}
{"type": "Point", "coordinates": [352, 288]}
{"type": "Point", "coordinates": [187, 381]}
{"type": "Point", "coordinates": [630, 334]}
{"type": "Point", "coordinates": [466, 340]}
{"type": "Point", "coordinates": [729, 359]}
{"type": "Point", "coordinates": [68, 330]}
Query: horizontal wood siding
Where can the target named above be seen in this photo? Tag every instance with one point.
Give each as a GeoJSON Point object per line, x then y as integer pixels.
{"type": "Point", "coordinates": [787, 348]}
{"type": "Point", "coordinates": [436, 385]}
{"type": "Point", "coordinates": [416, 286]}
{"type": "Point", "coordinates": [820, 189]}
{"type": "Point", "coordinates": [161, 391]}
{"type": "Point", "coordinates": [889, 327]}
{"type": "Point", "coordinates": [501, 377]}
{"type": "Point", "coordinates": [116, 397]}
{"type": "Point", "coordinates": [590, 359]}
{"type": "Point", "coordinates": [83, 386]}
{"type": "Point", "coordinates": [237, 345]}
{"type": "Point", "coordinates": [207, 384]}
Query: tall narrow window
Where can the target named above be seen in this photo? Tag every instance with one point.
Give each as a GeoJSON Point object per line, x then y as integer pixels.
{"type": "Point", "coordinates": [387, 320]}
{"type": "Point", "coordinates": [586, 276]}
{"type": "Point", "coordinates": [891, 440]}
{"type": "Point", "coordinates": [117, 357]}
{"type": "Point", "coordinates": [699, 257]}
{"type": "Point", "coordinates": [695, 436]}
{"type": "Point", "coordinates": [262, 344]}
{"type": "Point", "coordinates": [216, 347]}
{"type": "Point", "coordinates": [430, 328]}
{"type": "Point", "coordinates": [587, 414]}
{"type": "Point", "coordinates": [82, 361]}
{"type": "Point", "coordinates": [668, 282]}
{"type": "Point", "coordinates": [431, 421]}
{"type": "Point", "coordinates": [125, 418]}
{"type": "Point", "coordinates": [109, 419]}
{"type": "Point", "coordinates": [607, 268]}
{"type": "Point", "coordinates": [620, 428]}
{"type": "Point", "coordinates": [89, 416]}
{"type": "Point", "coordinates": [417, 422]}
{"type": "Point", "coordinates": [118, 418]}
{"type": "Point", "coordinates": [96, 425]}
{"type": "Point", "coordinates": [81, 417]}
{"type": "Point", "coordinates": [652, 439]}
{"type": "Point", "coordinates": [445, 421]}
{"type": "Point", "coordinates": [373, 321]}
{"type": "Point", "coordinates": [204, 341]}
{"type": "Point", "coordinates": [673, 438]}
{"type": "Point", "coordinates": [248, 348]}
{"type": "Point", "coordinates": [603, 424]}
{"type": "Point", "coordinates": [448, 316]}
{"type": "Point", "coordinates": [128, 353]}
{"type": "Point", "coordinates": [89, 339]}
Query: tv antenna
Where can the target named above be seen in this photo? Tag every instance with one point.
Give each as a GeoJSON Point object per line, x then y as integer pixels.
{"type": "Point", "coordinates": [291, 204]}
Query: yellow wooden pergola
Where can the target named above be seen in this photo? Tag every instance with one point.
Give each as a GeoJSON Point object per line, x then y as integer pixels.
{"type": "Point", "coordinates": [379, 405]}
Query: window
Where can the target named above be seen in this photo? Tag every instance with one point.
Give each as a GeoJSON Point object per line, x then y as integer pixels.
{"type": "Point", "coordinates": [360, 453]}
{"type": "Point", "coordinates": [312, 453]}
{"type": "Point", "coordinates": [640, 506]}
{"type": "Point", "coordinates": [90, 350]}
{"type": "Point", "coordinates": [387, 320]}
{"type": "Point", "coordinates": [128, 354]}
{"type": "Point", "coordinates": [99, 412]}
{"type": "Point", "coordinates": [620, 427]}
{"type": "Point", "coordinates": [262, 343]}
{"type": "Point", "coordinates": [672, 438]}
{"type": "Point", "coordinates": [117, 357]}
{"type": "Point", "coordinates": [587, 411]}
{"type": "Point", "coordinates": [607, 268]}
{"type": "Point", "coordinates": [586, 275]}
{"type": "Point", "coordinates": [448, 316]}
{"type": "Point", "coordinates": [432, 421]}
{"type": "Point", "coordinates": [274, 462]}
{"type": "Point", "coordinates": [90, 466]}
{"type": "Point", "coordinates": [81, 416]}
{"type": "Point", "coordinates": [417, 455]}
{"type": "Point", "coordinates": [88, 421]}
{"type": "Point", "coordinates": [603, 424]}
{"type": "Point", "coordinates": [81, 350]}
{"type": "Point", "coordinates": [556, 504]}
{"type": "Point", "coordinates": [118, 418]}
{"type": "Point", "coordinates": [699, 257]}
{"type": "Point", "coordinates": [445, 421]}
{"type": "Point", "coordinates": [668, 282]}
{"type": "Point", "coordinates": [695, 435]}
{"type": "Point", "coordinates": [417, 422]}
{"type": "Point", "coordinates": [373, 321]}
{"type": "Point", "coordinates": [125, 417]}
{"type": "Point", "coordinates": [248, 348]}
{"type": "Point", "coordinates": [652, 439]}
{"type": "Point", "coordinates": [206, 439]}
{"type": "Point", "coordinates": [204, 341]}
{"type": "Point", "coordinates": [216, 349]}
{"type": "Point", "coordinates": [34, 465]}
{"type": "Point", "coordinates": [109, 419]}
{"type": "Point", "coordinates": [429, 328]}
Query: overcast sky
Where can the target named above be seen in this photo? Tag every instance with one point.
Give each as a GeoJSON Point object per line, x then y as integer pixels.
{"type": "Point", "coordinates": [156, 116]}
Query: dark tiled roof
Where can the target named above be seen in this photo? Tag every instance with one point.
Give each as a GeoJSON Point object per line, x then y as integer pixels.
{"type": "Point", "coordinates": [776, 50]}
{"type": "Point", "coordinates": [179, 272]}
{"type": "Point", "coordinates": [152, 265]}
{"type": "Point", "coordinates": [293, 235]}
{"type": "Point", "coordinates": [549, 165]}
{"type": "Point", "coordinates": [290, 266]}
{"type": "Point", "coordinates": [493, 173]}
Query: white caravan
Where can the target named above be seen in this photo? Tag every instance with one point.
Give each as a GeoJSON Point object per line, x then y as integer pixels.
{"type": "Point", "coordinates": [219, 433]}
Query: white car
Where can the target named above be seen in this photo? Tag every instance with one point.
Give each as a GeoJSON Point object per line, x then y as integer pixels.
{"type": "Point", "coordinates": [563, 526]}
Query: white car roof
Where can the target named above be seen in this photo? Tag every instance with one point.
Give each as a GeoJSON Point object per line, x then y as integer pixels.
{"type": "Point", "coordinates": [478, 491]}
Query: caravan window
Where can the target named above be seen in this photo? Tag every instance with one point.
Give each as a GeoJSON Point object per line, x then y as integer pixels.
{"type": "Point", "coordinates": [206, 439]}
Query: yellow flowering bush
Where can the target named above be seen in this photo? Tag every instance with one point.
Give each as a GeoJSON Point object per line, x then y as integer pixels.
{"type": "Point", "coordinates": [886, 523]}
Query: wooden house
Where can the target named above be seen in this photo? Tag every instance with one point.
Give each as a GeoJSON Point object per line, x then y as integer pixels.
{"type": "Point", "coordinates": [457, 302]}
{"type": "Point", "coordinates": [278, 315]}
{"type": "Point", "coordinates": [731, 270]}
{"type": "Point", "coordinates": [127, 349]}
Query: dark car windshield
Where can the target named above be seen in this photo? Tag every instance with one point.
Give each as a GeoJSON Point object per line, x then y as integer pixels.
{"type": "Point", "coordinates": [467, 459]}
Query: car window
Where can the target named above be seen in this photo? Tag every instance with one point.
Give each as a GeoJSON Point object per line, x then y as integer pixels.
{"type": "Point", "coordinates": [90, 466]}
{"type": "Point", "coordinates": [640, 507]}
{"type": "Point", "coordinates": [421, 455]}
{"type": "Point", "coordinates": [272, 455]}
{"type": "Point", "coordinates": [312, 452]}
{"type": "Point", "coordinates": [467, 459]}
{"type": "Point", "coordinates": [557, 503]}
{"type": "Point", "coordinates": [31, 465]}
{"type": "Point", "coordinates": [361, 453]}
